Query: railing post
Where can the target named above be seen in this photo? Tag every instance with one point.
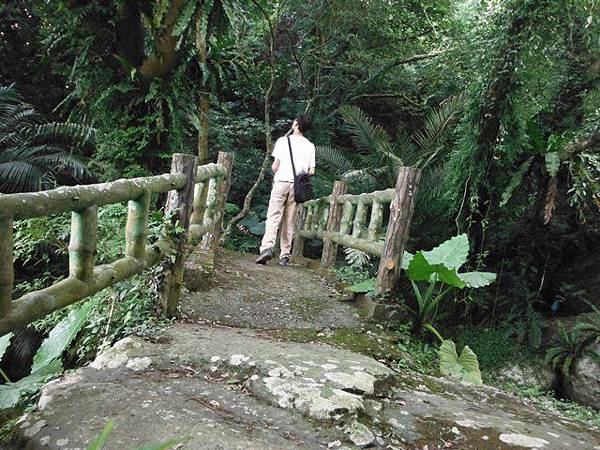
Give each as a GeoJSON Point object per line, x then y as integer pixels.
{"type": "Point", "coordinates": [211, 239]}
{"type": "Point", "coordinates": [7, 274]}
{"type": "Point", "coordinates": [347, 218]}
{"type": "Point", "coordinates": [375, 221]}
{"type": "Point", "coordinates": [180, 202]}
{"type": "Point", "coordinates": [136, 227]}
{"type": "Point", "coordinates": [200, 196]}
{"type": "Point", "coordinates": [82, 245]}
{"type": "Point", "coordinates": [299, 221]}
{"type": "Point", "coordinates": [360, 219]}
{"type": "Point", "coordinates": [333, 225]}
{"type": "Point", "coordinates": [401, 212]}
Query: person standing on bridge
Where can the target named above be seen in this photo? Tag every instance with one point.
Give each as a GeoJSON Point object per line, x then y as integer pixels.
{"type": "Point", "coordinates": [282, 205]}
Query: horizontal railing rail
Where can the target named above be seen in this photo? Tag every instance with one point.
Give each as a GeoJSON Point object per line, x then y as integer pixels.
{"type": "Point", "coordinates": [356, 221]}
{"type": "Point", "coordinates": [211, 185]}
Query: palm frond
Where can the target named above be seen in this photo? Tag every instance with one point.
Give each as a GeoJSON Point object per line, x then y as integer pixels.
{"type": "Point", "coordinates": [74, 134]}
{"type": "Point", "coordinates": [436, 126]}
{"type": "Point", "coordinates": [19, 176]}
{"type": "Point", "coordinates": [334, 160]}
{"type": "Point", "coordinates": [34, 153]}
{"type": "Point", "coordinates": [366, 135]}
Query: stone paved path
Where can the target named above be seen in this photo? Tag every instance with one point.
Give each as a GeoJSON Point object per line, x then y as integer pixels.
{"type": "Point", "coordinates": [246, 294]}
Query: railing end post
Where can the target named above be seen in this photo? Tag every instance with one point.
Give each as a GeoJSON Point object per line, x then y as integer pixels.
{"type": "Point", "coordinates": [401, 212]}
{"type": "Point", "coordinates": [333, 225]}
{"type": "Point", "coordinates": [181, 202]}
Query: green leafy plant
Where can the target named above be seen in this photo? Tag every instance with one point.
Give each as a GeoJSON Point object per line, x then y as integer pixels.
{"type": "Point", "coordinates": [575, 344]}
{"type": "Point", "coordinates": [379, 156]}
{"type": "Point", "coordinates": [35, 153]}
{"type": "Point", "coordinates": [439, 269]}
{"type": "Point", "coordinates": [47, 361]}
{"type": "Point", "coordinates": [464, 367]}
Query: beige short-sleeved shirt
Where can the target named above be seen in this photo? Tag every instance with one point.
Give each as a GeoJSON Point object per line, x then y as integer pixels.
{"type": "Point", "coordinates": [304, 157]}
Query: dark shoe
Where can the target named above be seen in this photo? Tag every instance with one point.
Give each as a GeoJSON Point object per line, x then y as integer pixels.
{"type": "Point", "coordinates": [284, 261]}
{"type": "Point", "coordinates": [265, 256]}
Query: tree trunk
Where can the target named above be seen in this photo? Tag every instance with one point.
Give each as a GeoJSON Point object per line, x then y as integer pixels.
{"type": "Point", "coordinates": [204, 94]}
{"type": "Point", "coordinates": [165, 60]}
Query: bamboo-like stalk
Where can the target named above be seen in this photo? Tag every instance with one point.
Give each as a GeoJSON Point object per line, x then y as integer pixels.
{"type": "Point", "coordinates": [360, 218]}
{"type": "Point", "coordinates": [7, 274]}
{"type": "Point", "coordinates": [82, 245]}
{"type": "Point", "coordinates": [211, 170]}
{"type": "Point", "coordinates": [324, 216]}
{"type": "Point", "coordinates": [200, 196]}
{"type": "Point", "coordinates": [385, 196]}
{"type": "Point", "coordinates": [347, 218]}
{"type": "Point", "coordinates": [212, 238]}
{"type": "Point", "coordinates": [313, 234]}
{"type": "Point", "coordinates": [310, 212]}
{"type": "Point", "coordinates": [373, 248]}
{"type": "Point", "coordinates": [211, 199]}
{"type": "Point", "coordinates": [375, 221]}
{"type": "Point", "coordinates": [76, 198]}
{"type": "Point", "coordinates": [137, 224]}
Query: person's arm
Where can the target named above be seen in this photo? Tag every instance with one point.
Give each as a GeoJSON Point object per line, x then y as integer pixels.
{"type": "Point", "coordinates": [311, 169]}
{"type": "Point", "coordinates": [276, 154]}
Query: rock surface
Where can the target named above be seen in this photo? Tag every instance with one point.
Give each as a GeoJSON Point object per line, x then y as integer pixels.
{"type": "Point", "coordinates": [583, 385]}
{"type": "Point", "coordinates": [229, 388]}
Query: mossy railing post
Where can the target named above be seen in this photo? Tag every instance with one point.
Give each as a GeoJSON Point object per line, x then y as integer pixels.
{"type": "Point", "coordinates": [179, 202]}
{"type": "Point", "coordinates": [401, 212]}
{"type": "Point", "coordinates": [136, 227]}
{"type": "Point", "coordinates": [7, 274]}
{"type": "Point", "coordinates": [333, 225]}
{"type": "Point", "coordinates": [82, 245]}
{"type": "Point", "coordinates": [299, 221]}
{"type": "Point", "coordinates": [212, 238]}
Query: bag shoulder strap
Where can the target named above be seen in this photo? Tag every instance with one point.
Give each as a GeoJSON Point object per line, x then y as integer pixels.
{"type": "Point", "coordinates": [291, 156]}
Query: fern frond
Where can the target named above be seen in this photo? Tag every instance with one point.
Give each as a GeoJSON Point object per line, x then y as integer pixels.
{"type": "Point", "coordinates": [436, 126]}
{"type": "Point", "coordinates": [366, 135]}
{"type": "Point", "coordinates": [334, 160]}
{"type": "Point", "coordinates": [185, 18]}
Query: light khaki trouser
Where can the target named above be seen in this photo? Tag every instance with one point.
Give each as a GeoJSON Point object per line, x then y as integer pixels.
{"type": "Point", "coordinates": [282, 207]}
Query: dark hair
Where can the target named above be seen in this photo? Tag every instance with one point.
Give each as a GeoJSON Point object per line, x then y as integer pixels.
{"type": "Point", "coordinates": [303, 122]}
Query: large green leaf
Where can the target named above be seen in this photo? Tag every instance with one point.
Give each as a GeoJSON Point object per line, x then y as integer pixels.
{"type": "Point", "coordinates": [464, 368]}
{"type": "Point", "coordinates": [11, 393]}
{"type": "Point", "coordinates": [406, 259]}
{"type": "Point", "coordinates": [452, 253]}
{"type": "Point", "coordinates": [419, 269]}
{"type": "Point", "coordinates": [477, 279]}
{"type": "Point", "coordinates": [362, 287]}
{"type": "Point", "coordinates": [4, 343]}
{"type": "Point", "coordinates": [61, 336]}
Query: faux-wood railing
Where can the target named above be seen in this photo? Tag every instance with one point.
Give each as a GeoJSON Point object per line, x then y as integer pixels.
{"type": "Point", "coordinates": [196, 197]}
{"type": "Point", "coordinates": [341, 219]}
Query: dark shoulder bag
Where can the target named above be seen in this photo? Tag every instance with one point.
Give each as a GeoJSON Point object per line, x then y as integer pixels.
{"type": "Point", "coordinates": [303, 190]}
